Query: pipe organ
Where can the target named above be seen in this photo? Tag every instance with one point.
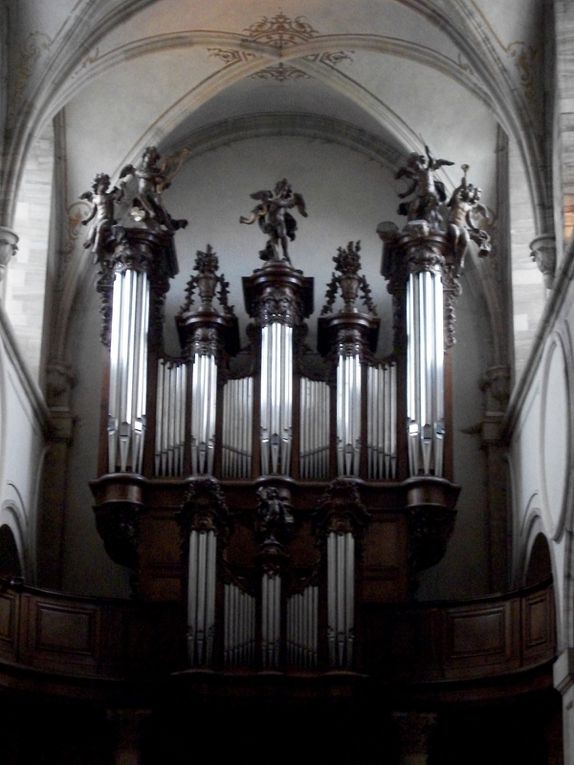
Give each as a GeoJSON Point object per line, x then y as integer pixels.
{"type": "Point", "coordinates": [283, 504]}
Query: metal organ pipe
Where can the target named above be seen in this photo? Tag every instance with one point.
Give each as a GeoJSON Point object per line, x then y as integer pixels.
{"type": "Point", "coordinates": [382, 421]}
{"type": "Point", "coordinates": [270, 619]}
{"type": "Point", "coordinates": [340, 598]}
{"type": "Point", "coordinates": [314, 429]}
{"type": "Point", "coordinates": [170, 417]}
{"type": "Point", "coordinates": [128, 371]}
{"type": "Point", "coordinates": [276, 402]}
{"type": "Point", "coordinates": [348, 415]}
{"type": "Point", "coordinates": [239, 626]}
{"type": "Point", "coordinates": [203, 413]}
{"type": "Point", "coordinates": [425, 373]}
{"type": "Point", "coordinates": [236, 428]}
{"type": "Point", "coordinates": [302, 619]}
{"type": "Point", "coordinates": [201, 597]}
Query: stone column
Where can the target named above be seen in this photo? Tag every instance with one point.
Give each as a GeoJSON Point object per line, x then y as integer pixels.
{"type": "Point", "coordinates": [414, 729]}
{"type": "Point", "coordinates": [564, 682]}
{"type": "Point", "coordinates": [128, 725]}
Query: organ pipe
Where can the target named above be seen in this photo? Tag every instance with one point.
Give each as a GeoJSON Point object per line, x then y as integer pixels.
{"type": "Point", "coordinates": [128, 371]}
{"type": "Point", "coordinates": [201, 597]}
{"type": "Point", "coordinates": [276, 398]}
{"type": "Point", "coordinates": [348, 415]}
{"type": "Point", "coordinates": [425, 373]}
{"type": "Point", "coordinates": [170, 417]}
{"type": "Point", "coordinates": [314, 429]}
{"type": "Point", "coordinates": [236, 439]}
{"type": "Point", "coordinates": [382, 421]}
{"type": "Point", "coordinates": [203, 413]}
{"type": "Point", "coordinates": [340, 598]}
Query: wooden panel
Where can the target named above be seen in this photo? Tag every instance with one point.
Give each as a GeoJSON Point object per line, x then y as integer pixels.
{"type": "Point", "coordinates": [8, 623]}
{"type": "Point", "coordinates": [481, 636]}
{"type": "Point", "coordinates": [65, 629]}
{"type": "Point", "coordinates": [385, 565]}
{"type": "Point", "coordinates": [538, 625]}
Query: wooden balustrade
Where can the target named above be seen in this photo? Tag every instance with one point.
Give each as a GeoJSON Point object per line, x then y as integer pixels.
{"type": "Point", "coordinates": [47, 637]}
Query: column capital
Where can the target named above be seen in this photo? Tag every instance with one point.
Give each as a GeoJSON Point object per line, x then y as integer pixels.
{"type": "Point", "coordinates": [543, 253]}
{"type": "Point", "coordinates": [8, 248]}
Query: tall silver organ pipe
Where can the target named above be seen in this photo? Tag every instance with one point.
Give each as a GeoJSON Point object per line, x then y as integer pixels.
{"type": "Point", "coordinates": [302, 621]}
{"type": "Point", "coordinates": [238, 626]}
{"type": "Point", "coordinates": [203, 413]}
{"type": "Point", "coordinates": [201, 597]}
{"type": "Point", "coordinates": [382, 421]}
{"type": "Point", "coordinates": [270, 620]}
{"type": "Point", "coordinates": [314, 429]}
{"type": "Point", "coordinates": [128, 371]}
{"type": "Point", "coordinates": [348, 415]}
{"type": "Point", "coordinates": [425, 373]}
{"type": "Point", "coordinates": [170, 417]}
{"type": "Point", "coordinates": [340, 598]}
{"type": "Point", "coordinates": [276, 403]}
{"type": "Point", "coordinates": [236, 438]}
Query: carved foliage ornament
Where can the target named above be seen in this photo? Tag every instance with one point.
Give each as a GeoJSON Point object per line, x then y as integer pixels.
{"type": "Point", "coordinates": [340, 510]}
{"type": "Point", "coordinates": [279, 305]}
{"type": "Point", "coordinates": [204, 508]}
{"type": "Point", "coordinates": [348, 281]}
{"type": "Point", "coordinates": [207, 284]}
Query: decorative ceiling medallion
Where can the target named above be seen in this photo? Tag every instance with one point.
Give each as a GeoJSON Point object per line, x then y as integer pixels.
{"type": "Point", "coordinates": [331, 57]}
{"type": "Point", "coordinates": [281, 31]}
{"type": "Point", "coordinates": [280, 72]}
{"type": "Point", "coordinates": [232, 56]}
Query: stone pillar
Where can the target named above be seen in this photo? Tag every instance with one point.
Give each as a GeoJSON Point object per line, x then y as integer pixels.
{"type": "Point", "coordinates": [128, 725]}
{"type": "Point", "coordinates": [59, 382]}
{"type": "Point", "coordinates": [414, 729]}
{"type": "Point", "coordinates": [564, 682]}
{"type": "Point", "coordinates": [496, 386]}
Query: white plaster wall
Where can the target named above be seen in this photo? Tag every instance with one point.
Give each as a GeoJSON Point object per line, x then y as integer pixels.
{"type": "Point", "coordinates": [540, 459]}
{"type": "Point", "coordinates": [22, 423]}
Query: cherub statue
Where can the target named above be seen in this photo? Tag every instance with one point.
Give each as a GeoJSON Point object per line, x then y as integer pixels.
{"type": "Point", "coordinates": [274, 516]}
{"type": "Point", "coordinates": [463, 204]}
{"type": "Point", "coordinates": [102, 213]}
{"type": "Point", "coordinates": [154, 174]}
{"type": "Point", "coordinates": [274, 219]}
{"type": "Point", "coordinates": [428, 192]}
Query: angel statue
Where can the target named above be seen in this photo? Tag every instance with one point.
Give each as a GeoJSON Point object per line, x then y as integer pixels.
{"type": "Point", "coordinates": [274, 219]}
{"type": "Point", "coordinates": [463, 205]}
{"type": "Point", "coordinates": [153, 175]}
{"type": "Point", "coordinates": [428, 192]}
{"type": "Point", "coordinates": [102, 213]}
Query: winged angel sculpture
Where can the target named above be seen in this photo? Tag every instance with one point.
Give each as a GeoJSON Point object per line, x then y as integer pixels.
{"type": "Point", "coordinates": [274, 219]}
{"type": "Point", "coordinates": [135, 202]}
{"type": "Point", "coordinates": [427, 192]}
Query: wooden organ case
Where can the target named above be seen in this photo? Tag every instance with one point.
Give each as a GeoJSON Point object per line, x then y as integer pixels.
{"type": "Point", "coordinates": [275, 498]}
